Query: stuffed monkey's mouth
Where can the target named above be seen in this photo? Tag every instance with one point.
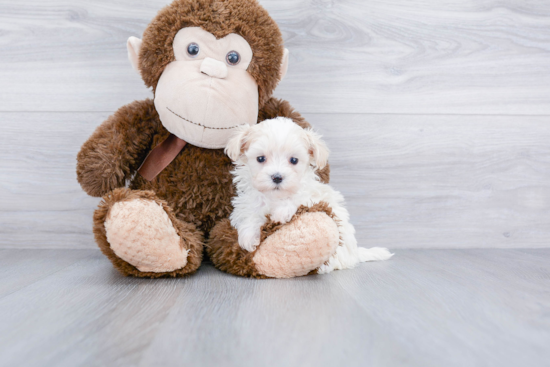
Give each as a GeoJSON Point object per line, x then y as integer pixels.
{"type": "Point", "coordinates": [204, 126]}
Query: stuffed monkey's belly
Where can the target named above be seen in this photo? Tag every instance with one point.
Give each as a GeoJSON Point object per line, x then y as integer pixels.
{"type": "Point", "coordinates": [197, 185]}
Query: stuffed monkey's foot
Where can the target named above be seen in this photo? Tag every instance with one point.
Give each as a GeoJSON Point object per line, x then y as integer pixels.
{"type": "Point", "coordinates": [299, 247]}
{"type": "Point", "coordinates": [142, 236]}
{"type": "Point", "coordinates": [141, 233]}
{"type": "Point", "coordinates": [287, 250]}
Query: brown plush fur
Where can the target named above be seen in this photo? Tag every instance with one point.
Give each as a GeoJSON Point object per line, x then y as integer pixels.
{"type": "Point", "coordinates": [226, 254]}
{"type": "Point", "coordinates": [117, 148]}
{"type": "Point", "coordinates": [243, 17]}
{"type": "Point", "coordinates": [277, 107]}
{"type": "Point", "coordinates": [196, 187]}
{"type": "Point", "coordinates": [192, 239]}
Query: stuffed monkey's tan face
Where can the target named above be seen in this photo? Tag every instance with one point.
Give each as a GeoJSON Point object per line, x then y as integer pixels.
{"type": "Point", "coordinates": [203, 96]}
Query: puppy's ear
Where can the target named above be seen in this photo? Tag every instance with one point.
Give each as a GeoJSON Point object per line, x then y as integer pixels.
{"type": "Point", "coordinates": [318, 150]}
{"type": "Point", "coordinates": [238, 143]}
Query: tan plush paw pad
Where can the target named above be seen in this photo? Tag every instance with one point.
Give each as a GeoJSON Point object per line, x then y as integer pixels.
{"type": "Point", "coordinates": [140, 232]}
{"type": "Point", "coordinates": [299, 247]}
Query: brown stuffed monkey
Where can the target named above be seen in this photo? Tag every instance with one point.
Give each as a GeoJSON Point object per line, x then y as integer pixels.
{"type": "Point", "coordinates": [212, 65]}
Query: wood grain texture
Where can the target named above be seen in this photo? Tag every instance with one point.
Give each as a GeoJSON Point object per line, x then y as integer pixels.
{"type": "Point", "coordinates": [410, 181]}
{"type": "Point", "coordinates": [461, 307]}
{"type": "Point", "coordinates": [442, 181]}
{"type": "Point", "coordinates": [421, 308]}
{"type": "Point", "coordinates": [19, 268]}
{"type": "Point", "coordinates": [416, 57]}
{"type": "Point", "coordinates": [41, 203]}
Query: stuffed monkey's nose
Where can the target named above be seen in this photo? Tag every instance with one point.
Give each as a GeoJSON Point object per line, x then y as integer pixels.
{"type": "Point", "coordinates": [213, 68]}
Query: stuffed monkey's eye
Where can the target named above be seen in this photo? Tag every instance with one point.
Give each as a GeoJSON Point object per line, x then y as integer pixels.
{"type": "Point", "coordinates": [294, 160]}
{"type": "Point", "coordinates": [233, 58]}
{"type": "Point", "coordinates": [193, 49]}
{"type": "Point", "coordinates": [261, 159]}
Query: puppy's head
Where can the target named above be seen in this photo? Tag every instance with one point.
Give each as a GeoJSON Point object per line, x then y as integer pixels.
{"type": "Point", "coordinates": [278, 153]}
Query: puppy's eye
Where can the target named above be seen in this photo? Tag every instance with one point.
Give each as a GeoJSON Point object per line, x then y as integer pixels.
{"type": "Point", "coordinates": [233, 58]}
{"type": "Point", "coordinates": [261, 159]}
{"type": "Point", "coordinates": [294, 160]}
{"type": "Point", "coordinates": [193, 49]}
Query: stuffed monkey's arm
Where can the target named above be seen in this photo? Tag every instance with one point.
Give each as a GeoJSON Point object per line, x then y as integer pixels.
{"type": "Point", "coordinates": [116, 149]}
{"type": "Point", "coordinates": [275, 107]}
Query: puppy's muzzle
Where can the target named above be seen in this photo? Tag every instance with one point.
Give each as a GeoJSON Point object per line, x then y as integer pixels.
{"type": "Point", "coordinates": [277, 178]}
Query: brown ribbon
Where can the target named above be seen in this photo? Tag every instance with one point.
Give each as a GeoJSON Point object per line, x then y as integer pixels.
{"type": "Point", "coordinates": [160, 157]}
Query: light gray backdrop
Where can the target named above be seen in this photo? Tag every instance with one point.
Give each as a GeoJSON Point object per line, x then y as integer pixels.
{"type": "Point", "coordinates": [436, 112]}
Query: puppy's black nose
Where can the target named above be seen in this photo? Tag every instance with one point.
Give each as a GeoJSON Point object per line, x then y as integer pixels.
{"type": "Point", "coordinates": [277, 178]}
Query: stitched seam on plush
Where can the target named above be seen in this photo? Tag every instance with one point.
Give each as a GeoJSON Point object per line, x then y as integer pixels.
{"type": "Point", "coordinates": [206, 127]}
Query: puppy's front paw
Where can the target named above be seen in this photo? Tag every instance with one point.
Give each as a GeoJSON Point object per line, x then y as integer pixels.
{"type": "Point", "coordinates": [249, 239]}
{"type": "Point", "coordinates": [283, 215]}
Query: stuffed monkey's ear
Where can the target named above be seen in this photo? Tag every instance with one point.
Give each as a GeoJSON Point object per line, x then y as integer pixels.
{"type": "Point", "coordinates": [318, 150]}
{"type": "Point", "coordinates": [134, 45]}
{"type": "Point", "coordinates": [238, 143]}
{"type": "Point", "coordinates": [284, 64]}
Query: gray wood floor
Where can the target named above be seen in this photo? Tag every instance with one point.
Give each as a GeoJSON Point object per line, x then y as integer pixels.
{"type": "Point", "coordinates": [484, 307]}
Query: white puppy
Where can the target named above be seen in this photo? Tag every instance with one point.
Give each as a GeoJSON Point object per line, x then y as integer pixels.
{"type": "Point", "coordinates": [275, 174]}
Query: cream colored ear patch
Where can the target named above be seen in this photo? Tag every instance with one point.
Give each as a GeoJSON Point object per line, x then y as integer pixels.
{"type": "Point", "coordinates": [134, 46]}
{"type": "Point", "coordinates": [284, 64]}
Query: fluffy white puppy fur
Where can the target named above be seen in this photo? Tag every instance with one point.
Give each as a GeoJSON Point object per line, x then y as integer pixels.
{"type": "Point", "coordinates": [275, 174]}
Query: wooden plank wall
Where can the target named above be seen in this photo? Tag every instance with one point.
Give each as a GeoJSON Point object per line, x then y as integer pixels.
{"type": "Point", "coordinates": [436, 111]}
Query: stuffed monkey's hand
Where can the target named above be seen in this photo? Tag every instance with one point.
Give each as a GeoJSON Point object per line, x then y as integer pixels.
{"type": "Point", "coordinates": [117, 148]}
